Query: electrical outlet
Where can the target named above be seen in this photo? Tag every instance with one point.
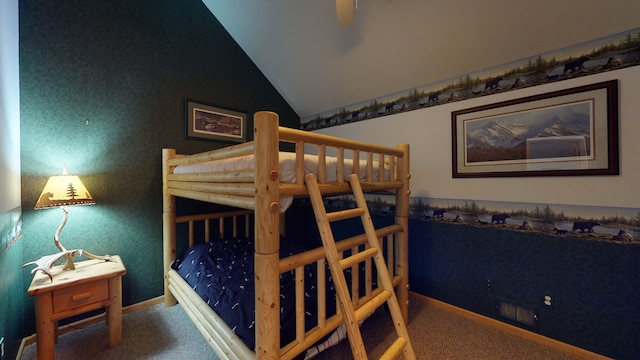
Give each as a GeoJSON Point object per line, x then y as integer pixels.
{"type": "Point", "coordinates": [489, 285]}
{"type": "Point", "coordinates": [547, 300]}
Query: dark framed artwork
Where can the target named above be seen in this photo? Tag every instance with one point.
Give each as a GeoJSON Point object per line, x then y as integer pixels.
{"type": "Point", "coordinates": [567, 132]}
{"type": "Point", "coordinates": [206, 122]}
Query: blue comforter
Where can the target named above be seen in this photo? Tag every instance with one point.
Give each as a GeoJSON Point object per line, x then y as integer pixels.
{"type": "Point", "coordinates": [221, 272]}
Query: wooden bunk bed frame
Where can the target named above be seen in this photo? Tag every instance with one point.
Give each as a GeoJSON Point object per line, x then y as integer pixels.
{"type": "Point", "coordinates": [259, 192]}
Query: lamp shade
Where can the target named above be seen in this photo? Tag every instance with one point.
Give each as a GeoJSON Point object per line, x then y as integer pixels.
{"type": "Point", "coordinates": [64, 190]}
{"type": "Point", "coordinates": [344, 10]}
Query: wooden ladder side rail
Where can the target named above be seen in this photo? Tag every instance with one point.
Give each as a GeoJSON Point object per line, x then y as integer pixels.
{"type": "Point", "coordinates": [384, 278]}
{"type": "Point", "coordinates": [339, 281]}
{"type": "Point", "coordinates": [337, 265]}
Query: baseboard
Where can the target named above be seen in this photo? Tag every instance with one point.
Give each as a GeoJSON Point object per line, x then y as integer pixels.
{"type": "Point", "coordinates": [514, 330]}
{"type": "Point", "coordinates": [90, 321]}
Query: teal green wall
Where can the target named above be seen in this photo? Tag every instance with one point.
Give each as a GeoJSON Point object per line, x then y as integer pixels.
{"type": "Point", "coordinates": [12, 305]}
{"type": "Point", "coordinates": [102, 90]}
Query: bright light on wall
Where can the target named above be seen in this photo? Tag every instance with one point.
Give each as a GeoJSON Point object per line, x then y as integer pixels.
{"type": "Point", "coordinates": [10, 210]}
{"type": "Point", "coordinates": [9, 107]}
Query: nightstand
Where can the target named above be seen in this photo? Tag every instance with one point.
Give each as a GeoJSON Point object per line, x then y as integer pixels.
{"type": "Point", "coordinates": [94, 284]}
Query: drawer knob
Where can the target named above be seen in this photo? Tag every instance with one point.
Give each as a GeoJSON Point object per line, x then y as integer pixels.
{"type": "Point", "coordinates": [81, 296]}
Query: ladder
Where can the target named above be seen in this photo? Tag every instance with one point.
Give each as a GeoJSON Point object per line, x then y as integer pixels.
{"type": "Point", "coordinates": [337, 266]}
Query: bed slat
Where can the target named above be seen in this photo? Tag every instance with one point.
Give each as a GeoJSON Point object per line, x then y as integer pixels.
{"type": "Point", "coordinates": [223, 153]}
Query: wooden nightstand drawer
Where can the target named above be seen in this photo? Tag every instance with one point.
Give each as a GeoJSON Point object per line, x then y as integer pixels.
{"type": "Point", "coordinates": [80, 295]}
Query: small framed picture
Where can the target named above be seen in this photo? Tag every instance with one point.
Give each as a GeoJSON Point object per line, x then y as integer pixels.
{"type": "Point", "coordinates": [206, 122]}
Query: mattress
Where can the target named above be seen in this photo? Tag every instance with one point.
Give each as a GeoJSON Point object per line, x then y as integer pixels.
{"type": "Point", "coordinates": [287, 169]}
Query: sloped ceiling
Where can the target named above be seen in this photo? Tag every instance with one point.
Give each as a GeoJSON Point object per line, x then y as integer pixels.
{"type": "Point", "coordinates": [395, 45]}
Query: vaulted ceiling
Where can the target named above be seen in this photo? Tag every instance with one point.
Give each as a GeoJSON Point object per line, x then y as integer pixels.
{"type": "Point", "coordinates": [395, 45]}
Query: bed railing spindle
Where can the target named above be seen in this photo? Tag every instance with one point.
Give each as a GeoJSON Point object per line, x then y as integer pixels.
{"type": "Point", "coordinates": [221, 228]}
{"type": "Point", "coordinates": [300, 162]}
{"type": "Point", "coordinates": [322, 164]}
{"type": "Point", "coordinates": [235, 227]}
{"type": "Point", "coordinates": [393, 171]}
{"type": "Point", "coordinates": [369, 177]}
{"type": "Point", "coordinates": [381, 167]}
{"type": "Point", "coordinates": [322, 293]}
{"type": "Point", "coordinates": [300, 328]}
{"type": "Point", "coordinates": [355, 279]}
{"type": "Point", "coordinates": [207, 231]}
{"type": "Point", "coordinates": [191, 235]}
{"type": "Point", "coordinates": [246, 226]}
{"type": "Point", "coordinates": [355, 165]}
{"type": "Point", "coordinates": [340, 165]}
{"type": "Point", "coordinates": [390, 254]}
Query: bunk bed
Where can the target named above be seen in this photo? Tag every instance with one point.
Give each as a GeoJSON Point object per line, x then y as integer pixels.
{"type": "Point", "coordinates": [260, 180]}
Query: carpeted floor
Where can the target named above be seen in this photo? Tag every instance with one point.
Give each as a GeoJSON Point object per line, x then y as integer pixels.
{"type": "Point", "coordinates": [442, 335]}
{"type": "Point", "coordinates": [161, 333]}
{"type": "Point", "coordinates": [157, 332]}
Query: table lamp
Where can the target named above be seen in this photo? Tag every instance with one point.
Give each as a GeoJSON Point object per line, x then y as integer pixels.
{"type": "Point", "coordinates": [63, 191]}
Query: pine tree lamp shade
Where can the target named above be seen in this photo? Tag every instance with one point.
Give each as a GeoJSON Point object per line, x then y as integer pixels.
{"type": "Point", "coordinates": [63, 191]}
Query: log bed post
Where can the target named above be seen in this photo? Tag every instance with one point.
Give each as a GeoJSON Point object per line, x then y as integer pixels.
{"type": "Point", "coordinates": [267, 234]}
{"type": "Point", "coordinates": [168, 226]}
{"type": "Point", "coordinates": [402, 218]}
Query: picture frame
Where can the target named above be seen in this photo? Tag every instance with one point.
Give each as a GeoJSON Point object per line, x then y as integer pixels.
{"type": "Point", "coordinates": [207, 122]}
{"type": "Point", "coordinates": [572, 131]}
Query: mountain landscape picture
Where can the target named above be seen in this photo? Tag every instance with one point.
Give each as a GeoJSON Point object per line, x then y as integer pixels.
{"type": "Point", "coordinates": [504, 137]}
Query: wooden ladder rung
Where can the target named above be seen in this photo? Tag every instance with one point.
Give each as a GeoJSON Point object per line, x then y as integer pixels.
{"type": "Point", "coordinates": [370, 306]}
{"type": "Point", "coordinates": [344, 214]}
{"type": "Point", "coordinates": [358, 258]}
{"type": "Point", "coordinates": [395, 349]}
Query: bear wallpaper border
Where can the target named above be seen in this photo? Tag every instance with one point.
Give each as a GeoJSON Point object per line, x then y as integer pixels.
{"type": "Point", "coordinates": [613, 52]}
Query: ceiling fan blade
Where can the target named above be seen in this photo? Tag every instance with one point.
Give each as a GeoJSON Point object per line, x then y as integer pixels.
{"type": "Point", "coordinates": [344, 10]}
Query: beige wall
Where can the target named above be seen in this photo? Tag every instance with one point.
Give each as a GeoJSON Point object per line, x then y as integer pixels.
{"type": "Point", "coordinates": [428, 131]}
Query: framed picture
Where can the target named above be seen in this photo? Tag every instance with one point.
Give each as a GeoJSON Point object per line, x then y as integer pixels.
{"type": "Point", "coordinates": [206, 122]}
{"type": "Point", "coordinates": [567, 132]}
